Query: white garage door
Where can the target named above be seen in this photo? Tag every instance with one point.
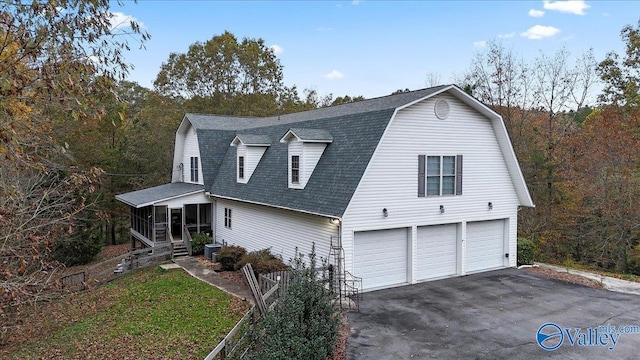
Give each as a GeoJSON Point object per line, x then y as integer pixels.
{"type": "Point", "coordinates": [437, 251]}
{"type": "Point", "coordinates": [485, 245]}
{"type": "Point", "coordinates": [380, 257]}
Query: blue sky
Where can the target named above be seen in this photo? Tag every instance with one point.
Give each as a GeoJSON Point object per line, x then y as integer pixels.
{"type": "Point", "coordinates": [373, 48]}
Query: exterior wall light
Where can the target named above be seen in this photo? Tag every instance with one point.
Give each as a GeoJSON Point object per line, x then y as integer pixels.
{"type": "Point", "coordinates": [441, 209]}
{"type": "Point", "coordinates": [335, 221]}
{"type": "Point", "coordinates": [490, 205]}
{"type": "Point", "coordinates": [385, 212]}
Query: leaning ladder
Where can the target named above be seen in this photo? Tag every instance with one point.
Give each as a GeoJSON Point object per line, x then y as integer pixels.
{"type": "Point", "coordinates": [347, 286]}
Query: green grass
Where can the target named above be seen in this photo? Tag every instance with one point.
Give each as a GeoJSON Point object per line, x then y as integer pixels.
{"type": "Point", "coordinates": [151, 313]}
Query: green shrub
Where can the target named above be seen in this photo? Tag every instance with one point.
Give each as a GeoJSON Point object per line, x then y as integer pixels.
{"type": "Point", "coordinates": [633, 261]}
{"type": "Point", "coordinates": [79, 249]}
{"type": "Point", "coordinates": [304, 323]}
{"type": "Point", "coordinates": [262, 262]}
{"type": "Point", "coordinates": [198, 241]}
{"type": "Point", "coordinates": [526, 250]}
{"type": "Point", "coordinates": [229, 257]}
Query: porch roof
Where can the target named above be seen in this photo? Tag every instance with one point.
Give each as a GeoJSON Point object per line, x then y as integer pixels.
{"type": "Point", "coordinates": [150, 196]}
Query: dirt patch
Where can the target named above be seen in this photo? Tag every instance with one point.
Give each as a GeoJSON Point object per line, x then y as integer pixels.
{"type": "Point", "coordinates": [340, 352]}
{"type": "Point", "coordinates": [572, 278]}
{"type": "Point", "coordinates": [234, 276]}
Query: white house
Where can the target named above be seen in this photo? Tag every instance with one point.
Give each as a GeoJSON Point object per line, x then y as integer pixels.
{"type": "Point", "coordinates": [398, 189]}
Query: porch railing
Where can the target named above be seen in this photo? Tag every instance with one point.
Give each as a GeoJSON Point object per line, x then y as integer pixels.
{"type": "Point", "coordinates": [186, 239]}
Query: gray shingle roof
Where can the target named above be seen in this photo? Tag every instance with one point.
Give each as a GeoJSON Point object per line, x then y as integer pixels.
{"type": "Point", "coordinates": [255, 140]}
{"type": "Point", "coordinates": [334, 180]}
{"type": "Point", "coordinates": [352, 131]}
{"type": "Point", "coordinates": [149, 196]}
{"type": "Point", "coordinates": [313, 135]}
{"type": "Point", "coordinates": [223, 122]}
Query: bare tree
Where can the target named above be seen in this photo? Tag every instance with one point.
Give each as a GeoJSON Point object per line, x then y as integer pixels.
{"type": "Point", "coordinates": [433, 79]}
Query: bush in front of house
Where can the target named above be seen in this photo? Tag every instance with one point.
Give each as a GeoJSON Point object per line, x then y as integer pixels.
{"type": "Point", "coordinates": [229, 257]}
{"type": "Point", "coordinates": [526, 251]}
{"type": "Point", "coordinates": [198, 241]}
{"type": "Point", "coordinates": [304, 323]}
{"type": "Point", "coordinates": [80, 248]}
{"type": "Point", "coordinates": [262, 262]}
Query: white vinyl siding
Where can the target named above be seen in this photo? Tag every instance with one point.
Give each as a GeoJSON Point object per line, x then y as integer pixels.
{"type": "Point", "coordinates": [381, 258]}
{"type": "Point", "coordinates": [180, 201]}
{"type": "Point", "coordinates": [312, 153]}
{"type": "Point", "coordinates": [252, 156]}
{"type": "Point", "coordinates": [308, 155]}
{"type": "Point", "coordinates": [391, 178]}
{"type": "Point", "coordinates": [191, 150]}
{"type": "Point", "coordinates": [257, 227]}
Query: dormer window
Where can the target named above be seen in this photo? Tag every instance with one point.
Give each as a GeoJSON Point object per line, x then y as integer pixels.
{"type": "Point", "coordinates": [295, 169]}
{"type": "Point", "coordinates": [305, 148]}
{"type": "Point", "coordinates": [241, 167]}
{"type": "Point", "coordinates": [249, 151]}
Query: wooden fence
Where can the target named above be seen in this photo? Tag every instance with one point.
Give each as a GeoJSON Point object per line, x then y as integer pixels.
{"type": "Point", "coordinates": [110, 269]}
{"type": "Point", "coordinates": [236, 343]}
{"type": "Point", "coordinates": [266, 291]}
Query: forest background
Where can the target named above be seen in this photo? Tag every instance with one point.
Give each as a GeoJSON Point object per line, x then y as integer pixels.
{"type": "Point", "coordinates": [74, 132]}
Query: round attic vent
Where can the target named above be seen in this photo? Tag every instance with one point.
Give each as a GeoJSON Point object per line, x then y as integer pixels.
{"type": "Point", "coordinates": [441, 109]}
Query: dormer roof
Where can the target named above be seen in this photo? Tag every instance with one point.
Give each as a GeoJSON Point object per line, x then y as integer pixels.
{"type": "Point", "coordinates": [251, 140]}
{"type": "Point", "coordinates": [308, 135]}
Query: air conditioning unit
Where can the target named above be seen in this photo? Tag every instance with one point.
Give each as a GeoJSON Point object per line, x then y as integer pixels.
{"type": "Point", "coordinates": [210, 250]}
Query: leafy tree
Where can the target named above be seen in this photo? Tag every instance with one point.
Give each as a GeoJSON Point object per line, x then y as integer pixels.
{"type": "Point", "coordinates": [54, 58]}
{"type": "Point", "coordinates": [602, 171]}
{"type": "Point", "coordinates": [621, 77]}
{"type": "Point", "coordinates": [540, 104]}
{"type": "Point", "coordinates": [346, 99]}
{"type": "Point", "coordinates": [224, 76]}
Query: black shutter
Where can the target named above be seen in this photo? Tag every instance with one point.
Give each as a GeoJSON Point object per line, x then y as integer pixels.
{"type": "Point", "coordinates": [458, 174]}
{"type": "Point", "coordinates": [421, 168]}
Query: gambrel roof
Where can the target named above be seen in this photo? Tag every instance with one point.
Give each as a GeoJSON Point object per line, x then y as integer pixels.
{"type": "Point", "coordinates": [352, 133]}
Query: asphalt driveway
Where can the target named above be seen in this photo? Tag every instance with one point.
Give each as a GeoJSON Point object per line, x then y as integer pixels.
{"type": "Point", "coordinates": [495, 315]}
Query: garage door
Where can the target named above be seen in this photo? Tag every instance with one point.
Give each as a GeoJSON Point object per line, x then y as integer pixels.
{"type": "Point", "coordinates": [437, 251]}
{"type": "Point", "coordinates": [380, 257]}
{"type": "Point", "coordinates": [485, 245]}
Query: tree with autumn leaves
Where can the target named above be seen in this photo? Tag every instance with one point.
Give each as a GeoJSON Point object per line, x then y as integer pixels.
{"type": "Point", "coordinates": [582, 164]}
{"type": "Point", "coordinates": [55, 57]}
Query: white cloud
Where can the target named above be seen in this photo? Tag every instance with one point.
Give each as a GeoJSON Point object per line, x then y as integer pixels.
{"type": "Point", "coordinates": [277, 49]}
{"type": "Point", "coordinates": [538, 32]}
{"type": "Point", "coordinates": [480, 44]}
{"type": "Point", "coordinates": [119, 20]}
{"type": "Point", "coordinates": [576, 7]}
{"type": "Point", "coordinates": [536, 13]}
{"type": "Point", "coordinates": [506, 36]}
{"type": "Point", "coordinates": [355, 2]}
{"type": "Point", "coordinates": [334, 74]}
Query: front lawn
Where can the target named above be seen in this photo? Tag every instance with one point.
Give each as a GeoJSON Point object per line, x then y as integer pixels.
{"type": "Point", "coordinates": [149, 314]}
